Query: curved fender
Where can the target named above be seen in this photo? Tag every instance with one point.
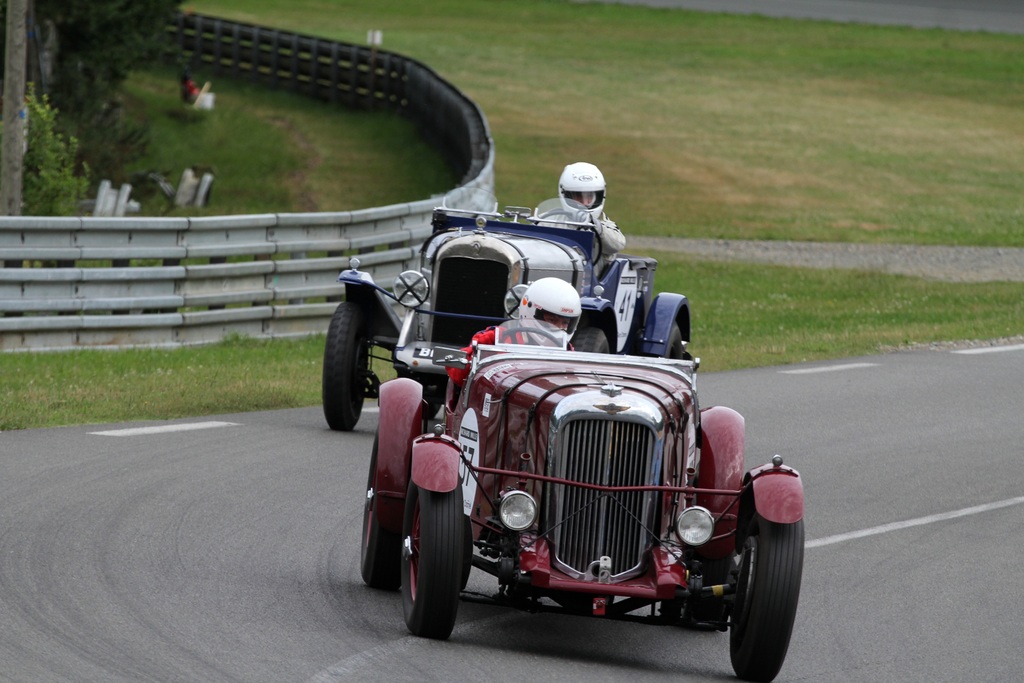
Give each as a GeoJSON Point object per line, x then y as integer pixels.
{"type": "Point", "coordinates": [666, 309]}
{"type": "Point", "coordinates": [401, 421]}
{"type": "Point", "coordinates": [382, 323]}
{"type": "Point", "coordinates": [435, 463]}
{"type": "Point", "coordinates": [778, 493]}
{"type": "Point", "coordinates": [723, 438]}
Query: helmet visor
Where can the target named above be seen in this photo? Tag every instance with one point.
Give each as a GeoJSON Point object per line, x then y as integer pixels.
{"type": "Point", "coordinates": [588, 198]}
{"type": "Point", "coordinates": [560, 321]}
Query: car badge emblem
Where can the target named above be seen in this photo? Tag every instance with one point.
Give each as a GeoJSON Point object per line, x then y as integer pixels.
{"type": "Point", "coordinates": [611, 408]}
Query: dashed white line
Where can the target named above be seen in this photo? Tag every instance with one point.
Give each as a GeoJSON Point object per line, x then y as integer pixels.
{"type": "Point", "coordinates": [919, 521]}
{"type": "Point", "coordinates": [163, 429]}
{"type": "Point", "coordinates": [357, 665]}
{"type": "Point", "coordinates": [828, 368]}
{"type": "Point", "coordinates": [991, 349]}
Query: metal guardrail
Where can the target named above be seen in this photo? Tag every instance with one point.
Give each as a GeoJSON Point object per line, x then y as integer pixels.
{"type": "Point", "coordinates": [117, 282]}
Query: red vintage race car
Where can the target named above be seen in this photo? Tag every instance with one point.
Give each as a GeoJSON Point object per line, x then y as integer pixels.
{"type": "Point", "coordinates": [588, 484]}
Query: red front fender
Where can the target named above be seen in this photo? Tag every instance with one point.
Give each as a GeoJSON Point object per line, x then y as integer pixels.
{"type": "Point", "coordinates": [778, 493]}
{"type": "Point", "coordinates": [435, 463]}
{"type": "Point", "coordinates": [775, 494]}
{"type": "Point", "coordinates": [401, 421]}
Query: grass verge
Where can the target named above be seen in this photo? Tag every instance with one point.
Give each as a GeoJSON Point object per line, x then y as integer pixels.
{"type": "Point", "coordinates": [744, 316]}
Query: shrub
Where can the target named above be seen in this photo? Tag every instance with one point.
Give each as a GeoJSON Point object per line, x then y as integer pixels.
{"type": "Point", "coordinates": [50, 186]}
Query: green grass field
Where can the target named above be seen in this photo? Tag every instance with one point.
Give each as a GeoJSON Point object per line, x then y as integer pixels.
{"type": "Point", "coordinates": [704, 125]}
{"type": "Point", "coordinates": [273, 151]}
{"type": "Point", "coordinates": [723, 126]}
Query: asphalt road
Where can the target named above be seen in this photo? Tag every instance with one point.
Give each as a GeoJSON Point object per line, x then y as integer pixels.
{"type": "Point", "coordinates": [231, 553]}
{"type": "Point", "coordinates": [996, 16]}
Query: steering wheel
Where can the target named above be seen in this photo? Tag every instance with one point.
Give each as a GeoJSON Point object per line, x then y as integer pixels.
{"type": "Point", "coordinates": [508, 335]}
{"type": "Point", "coordinates": [562, 213]}
{"type": "Point", "coordinates": [574, 216]}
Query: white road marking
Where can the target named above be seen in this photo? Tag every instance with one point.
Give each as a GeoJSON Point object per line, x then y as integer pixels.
{"type": "Point", "coordinates": [357, 665]}
{"type": "Point", "coordinates": [930, 519]}
{"type": "Point", "coordinates": [163, 429]}
{"type": "Point", "coordinates": [991, 349]}
{"type": "Point", "coordinates": [828, 368]}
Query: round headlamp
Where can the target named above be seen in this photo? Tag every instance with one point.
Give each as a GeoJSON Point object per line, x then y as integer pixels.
{"type": "Point", "coordinates": [694, 526]}
{"type": "Point", "coordinates": [512, 299]}
{"type": "Point", "coordinates": [517, 510]}
{"type": "Point", "coordinates": [411, 288]}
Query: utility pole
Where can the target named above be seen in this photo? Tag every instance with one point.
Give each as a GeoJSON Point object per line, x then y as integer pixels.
{"type": "Point", "coordinates": [13, 151]}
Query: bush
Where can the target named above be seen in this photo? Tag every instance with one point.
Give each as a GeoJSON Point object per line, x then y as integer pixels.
{"type": "Point", "coordinates": [50, 186]}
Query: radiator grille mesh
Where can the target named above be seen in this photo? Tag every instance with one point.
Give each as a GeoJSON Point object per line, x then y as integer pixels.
{"type": "Point", "coordinates": [588, 524]}
{"type": "Point", "coordinates": [470, 287]}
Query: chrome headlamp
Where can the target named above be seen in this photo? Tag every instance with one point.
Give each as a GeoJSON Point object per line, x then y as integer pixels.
{"type": "Point", "coordinates": [512, 299]}
{"type": "Point", "coordinates": [517, 510]}
{"type": "Point", "coordinates": [411, 288]}
{"type": "Point", "coordinates": [694, 526]}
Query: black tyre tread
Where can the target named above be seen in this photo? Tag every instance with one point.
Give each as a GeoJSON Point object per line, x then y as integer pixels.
{"type": "Point", "coordinates": [381, 554]}
{"type": "Point", "coordinates": [432, 611]}
{"type": "Point", "coordinates": [759, 654]}
{"type": "Point", "coordinates": [341, 391]}
{"type": "Point", "coordinates": [675, 343]}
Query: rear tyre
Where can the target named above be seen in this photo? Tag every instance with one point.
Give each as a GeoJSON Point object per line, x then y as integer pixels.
{"type": "Point", "coordinates": [381, 556]}
{"type": "Point", "coordinates": [430, 412]}
{"type": "Point", "coordinates": [767, 593]}
{"type": "Point", "coordinates": [676, 348]}
{"type": "Point", "coordinates": [346, 367]}
{"type": "Point", "coordinates": [432, 561]}
{"type": "Point", "coordinates": [591, 340]}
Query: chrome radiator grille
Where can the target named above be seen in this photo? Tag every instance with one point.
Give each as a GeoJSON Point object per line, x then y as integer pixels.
{"type": "Point", "coordinates": [469, 287]}
{"type": "Point", "coordinates": [587, 524]}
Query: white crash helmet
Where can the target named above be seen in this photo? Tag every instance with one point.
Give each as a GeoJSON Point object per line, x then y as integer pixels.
{"type": "Point", "coordinates": [551, 300]}
{"type": "Point", "coordinates": [582, 183]}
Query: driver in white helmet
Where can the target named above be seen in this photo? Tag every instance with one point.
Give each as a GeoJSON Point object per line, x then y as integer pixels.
{"type": "Point", "coordinates": [550, 301]}
{"type": "Point", "coordinates": [583, 184]}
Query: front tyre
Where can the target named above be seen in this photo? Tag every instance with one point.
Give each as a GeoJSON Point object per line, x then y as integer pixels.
{"type": "Point", "coordinates": [767, 593]}
{"type": "Point", "coordinates": [381, 555]}
{"type": "Point", "coordinates": [346, 367]}
{"type": "Point", "coordinates": [432, 561]}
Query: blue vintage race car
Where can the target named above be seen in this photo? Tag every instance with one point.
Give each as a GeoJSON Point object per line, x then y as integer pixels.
{"type": "Point", "coordinates": [473, 270]}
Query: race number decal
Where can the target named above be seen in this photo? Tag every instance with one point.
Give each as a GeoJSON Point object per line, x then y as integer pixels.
{"type": "Point", "coordinates": [625, 303]}
{"type": "Point", "coordinates": [469, 439]}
